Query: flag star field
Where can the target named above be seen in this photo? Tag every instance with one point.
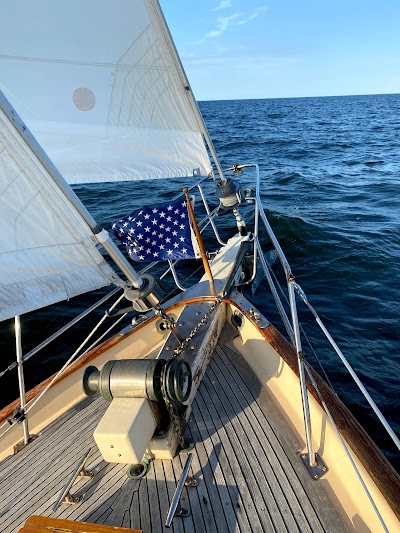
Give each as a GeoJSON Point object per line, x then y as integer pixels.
{"type": "Point", "coordinates": [158, 232]}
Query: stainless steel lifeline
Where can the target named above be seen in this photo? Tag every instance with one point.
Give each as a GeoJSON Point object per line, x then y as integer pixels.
{"type": "Point", "coordinates": [293, 309]}
{"type": "Point", "coordinates": [347, 451]}
{"type": "Point", "coordinates": [292, 327]}
{"type": "Point", "coordinates": [205, 220]}
{"type": "Point", "coordinates": [350, 369]}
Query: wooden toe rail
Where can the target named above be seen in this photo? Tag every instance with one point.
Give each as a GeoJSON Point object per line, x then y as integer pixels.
{"type": "Point", "coordinates": [43, 524]}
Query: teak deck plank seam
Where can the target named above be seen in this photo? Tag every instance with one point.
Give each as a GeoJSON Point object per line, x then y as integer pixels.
{"type": "Point", "coordinates": [281, 436]}
{"type": "Point", "coordinates": [208, 487]}
{"type": "Point", "coordinates": [56, 431]}
{"type": "Point", "coordinates": [251, 478]}
{"type": "Point", "coordinates": [275, 471]}
{"type": "Point", "coordinates": [235, 428]}
{"type": "Point", "coordinates": [237, 461]}
{"type": "Point", "coordinates": [219, 468]}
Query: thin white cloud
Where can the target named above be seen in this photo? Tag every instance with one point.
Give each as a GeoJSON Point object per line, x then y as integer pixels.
{"type": "Point", "coordinates": [239, 61]}
{"type": "Point", "coordinates": [223, 24]}
{"type": "Point", "coordinates": [224, 4]}
{"type": "Point", "coordinates": [257, 12]}
{"type": "Point", "coordinates": [253, 16]}
{"type": "Point", "coordinates": [237, 19]}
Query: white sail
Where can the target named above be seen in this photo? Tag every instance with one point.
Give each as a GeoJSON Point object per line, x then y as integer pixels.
{"type": "Point", "coordinates": [98, 84]}
{"type": "Point", "coordinates": [47, 251]}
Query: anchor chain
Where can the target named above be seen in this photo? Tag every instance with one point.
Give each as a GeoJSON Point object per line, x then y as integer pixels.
{"type": "Point", "coordinates": [168, 320]}
{"type": "Point", "coordinates": [176, 419]}
{"type": "Point", "coordinates": [184, 344]}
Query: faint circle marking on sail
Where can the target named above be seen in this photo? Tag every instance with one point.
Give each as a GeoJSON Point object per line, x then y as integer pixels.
{"type": "Point", "coordinates": [84, 99]}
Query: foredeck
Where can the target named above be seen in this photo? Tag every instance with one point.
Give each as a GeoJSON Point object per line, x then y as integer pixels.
{"type": "Point", "coordinates": [245, 458]}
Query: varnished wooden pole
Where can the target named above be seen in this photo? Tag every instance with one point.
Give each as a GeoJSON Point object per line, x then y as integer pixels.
{"type": "Point", "coordinates": [201, 244]}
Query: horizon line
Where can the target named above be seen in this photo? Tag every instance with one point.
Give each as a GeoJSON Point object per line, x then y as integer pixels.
{"type": "Point", "coordinates": [297, 97]}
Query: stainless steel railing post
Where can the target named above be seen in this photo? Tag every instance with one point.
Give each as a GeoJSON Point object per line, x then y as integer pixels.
{"type": "Point", "coordinates": [256, 242]}
{"type": "Point", "coordinates": [349, 368]}
{"type": "Point", "coordinates": [295, 322]}
{"type": "Point", "coordinates": [18, 345]}
{"type": "Point", "coordinates": [300, 360]}
{"type": "Point", "coordinates": [294, 334]}
{"type": "Point", "coordinates": [279, 305]}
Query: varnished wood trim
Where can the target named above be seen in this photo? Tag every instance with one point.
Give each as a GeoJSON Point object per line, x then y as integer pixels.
{"type": "Point", "coordinates": [7, 411]}
{"type": "Point", "coordinates": [44, 523]}
{"type": "Point", "coordinates": [381, 471]}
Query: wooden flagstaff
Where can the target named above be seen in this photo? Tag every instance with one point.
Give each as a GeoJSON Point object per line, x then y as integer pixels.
{"type": "Point", "coordinates": [201, 244]}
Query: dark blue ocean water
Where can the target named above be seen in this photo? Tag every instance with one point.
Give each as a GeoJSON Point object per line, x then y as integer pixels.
{"type": "Point", "coordinates": [330, 183]}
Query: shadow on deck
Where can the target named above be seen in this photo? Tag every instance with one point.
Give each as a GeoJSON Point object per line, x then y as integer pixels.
{"type": "Point", "coordinates": [245, 456]}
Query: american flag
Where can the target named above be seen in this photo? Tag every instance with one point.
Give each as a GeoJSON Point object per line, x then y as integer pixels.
{"type": "Point", "coordinates": [158, 232]}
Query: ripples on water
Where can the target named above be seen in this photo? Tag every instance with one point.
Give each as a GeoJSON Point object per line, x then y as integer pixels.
{"type": "Point", "coordinates": [330, 172]}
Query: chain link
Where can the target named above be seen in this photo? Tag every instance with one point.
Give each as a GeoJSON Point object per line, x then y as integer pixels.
{"type": "Point", "coordinates": [184, 344]}
{"type": "Point", "coordinates": [13, 365]}
{"type": "Point", "coordinates": [168, 320]}
{"type": "Point", "coordinates": [175, 418]}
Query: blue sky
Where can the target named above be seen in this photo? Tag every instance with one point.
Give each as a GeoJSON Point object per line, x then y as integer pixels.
{"type": "Point", "coordinates": [286, 48]}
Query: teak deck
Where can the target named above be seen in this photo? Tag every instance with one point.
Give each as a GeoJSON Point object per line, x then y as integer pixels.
{"type": "Point", "coordinates": [245, 457]}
